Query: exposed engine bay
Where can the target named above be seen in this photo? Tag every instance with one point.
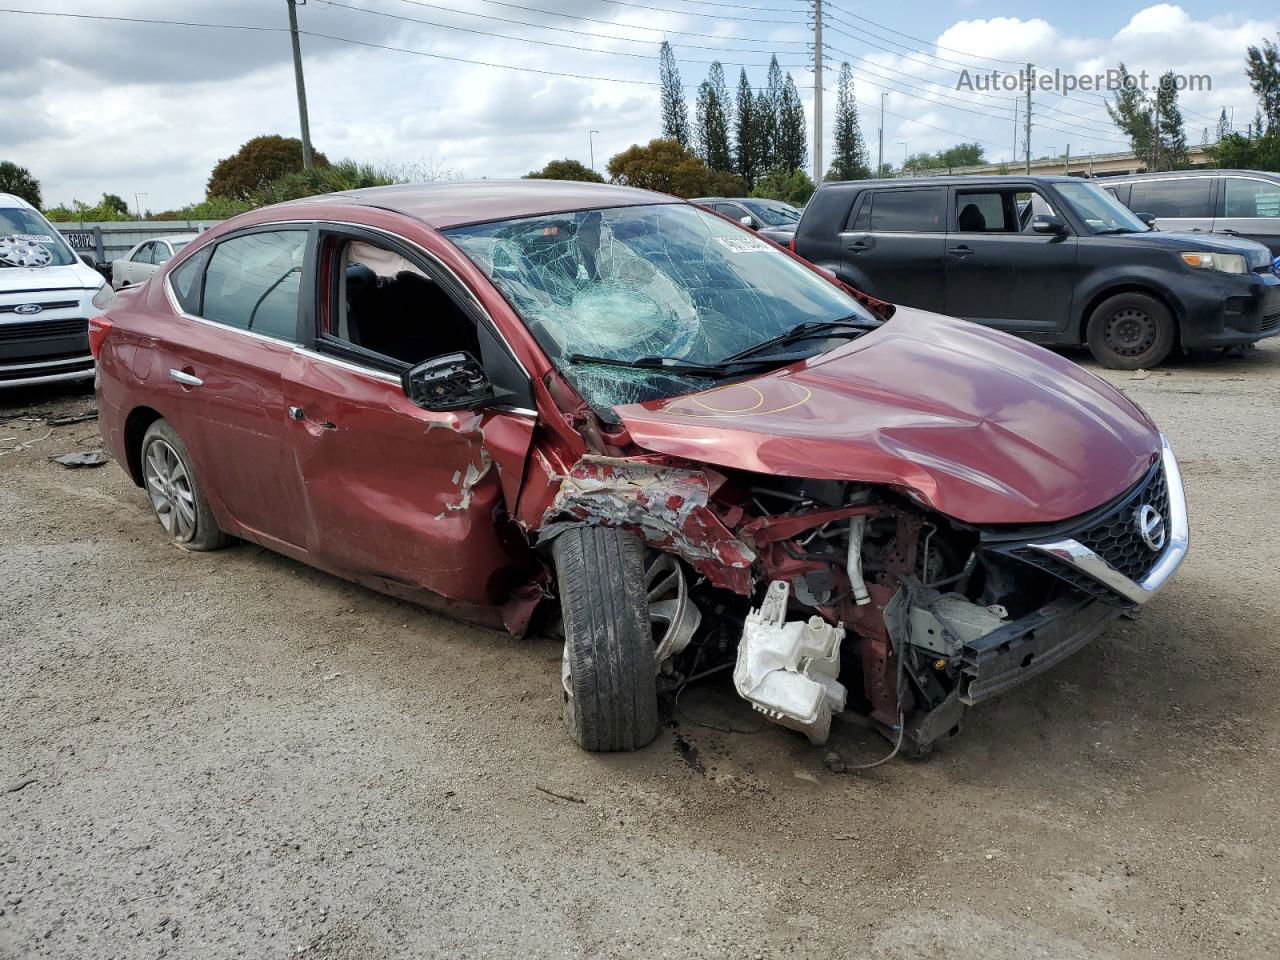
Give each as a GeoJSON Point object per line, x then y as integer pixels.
{"type": "Point", "coordinates": [832, 598]}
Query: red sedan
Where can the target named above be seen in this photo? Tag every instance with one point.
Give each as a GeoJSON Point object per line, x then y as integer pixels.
{"type": "Point", "coordinates": [486, 397]}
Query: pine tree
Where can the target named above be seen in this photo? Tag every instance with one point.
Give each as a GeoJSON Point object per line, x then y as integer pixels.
{"type": "Point", "coordinates": [1131, 112]}
{"type": "Point", "coordinates": [675, 113]}
{"type": "Point", "coordinates": [1224, 125]}
{"type": "Point", "coordinates": [1173, 140]}
{"type": "Point", "coordinates": [746, 133]}
{"type": "Point", "coordinates": [793, 152]}
{"type": "Point", "coordinates": [713, 121]}
{"type": "Point", "coordinates": [850, 161]}
{"type": "Point", "coordinates": [769, 112]}
{"type": "Point", "coordinates": [1262, 67]}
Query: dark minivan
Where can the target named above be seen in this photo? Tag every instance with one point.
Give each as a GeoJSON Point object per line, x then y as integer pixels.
{"type": "Point", "coordinates": [1236, 203]}
{"type": "Point", "coordinates": [1057, 260]}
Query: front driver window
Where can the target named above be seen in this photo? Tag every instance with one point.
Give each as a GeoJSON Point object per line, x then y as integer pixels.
{"type": "Point", "coordinates": [389, 305]}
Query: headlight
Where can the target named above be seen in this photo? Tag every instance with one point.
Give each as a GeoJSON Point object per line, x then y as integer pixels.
{"type": "Point", "coordinates": [1222, 262]}
{"type": "Point", "coordinates": [102, 299]}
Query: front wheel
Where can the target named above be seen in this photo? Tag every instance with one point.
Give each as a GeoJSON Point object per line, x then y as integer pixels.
{"type": "Point", "coordinates": [609, 669]}
{"type": "Point", "coordinates": [1131, 331]}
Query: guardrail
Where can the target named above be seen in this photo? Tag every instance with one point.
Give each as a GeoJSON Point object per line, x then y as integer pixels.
{"type": "Point", "coordinates": [110, 240]}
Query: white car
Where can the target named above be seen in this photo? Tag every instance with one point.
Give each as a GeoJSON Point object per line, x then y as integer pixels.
{"type": "Point", "coordinates": [47, 295]}
{"type": "Point", "coordinates": [145, 257]}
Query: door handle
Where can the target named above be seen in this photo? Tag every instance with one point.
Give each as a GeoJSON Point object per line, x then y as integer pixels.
{"type": "Point", "coordinates": [960, 251]}
{"type": "Point", "coordinates": [297, 413]}
{"type": "Point", "coordinates": [186, 379]}
{"type": "Point", "coordinates": [1229, 231]}
{"type": "Point", "coordinates": [858, 246]}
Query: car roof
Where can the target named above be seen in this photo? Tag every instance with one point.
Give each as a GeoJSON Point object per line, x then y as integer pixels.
{"type": "Point", "coordinates": [994, 180]}
{"type": "Point", "coordinates": [10, 200]}
{"type": "Point", "coordinates": [457, 202]}
{"type": "Point", "coordinates": [1194, 172]}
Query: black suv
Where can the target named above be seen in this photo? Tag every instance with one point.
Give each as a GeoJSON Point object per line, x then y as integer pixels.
{"type": "Point", "coordinates": [1055, 259]}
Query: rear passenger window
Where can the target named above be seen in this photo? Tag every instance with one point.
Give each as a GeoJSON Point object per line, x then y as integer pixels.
{"type": "Point", "coordinates": [1164, 199]}
{"type": "Point", "coordinates": [253, 281]}
{"type": "Point", "coordinates": [1251, 198]}
{"type": "Point", "coordinates": [906, 211]}
{"type": "Point", "coordinates": [185, 281]}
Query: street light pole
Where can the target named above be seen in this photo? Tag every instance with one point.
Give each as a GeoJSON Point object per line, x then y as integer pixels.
{"type": "Point", "coordinates": [880, 151]}
{"type": "Point", "coordinates": [298, 81]}
{"type": "Point", "coordinates": [137, 204]}
{"type": "Point", "coordinates": [591, 145]}
{"type": "Point", "coordinates": [903, 145]}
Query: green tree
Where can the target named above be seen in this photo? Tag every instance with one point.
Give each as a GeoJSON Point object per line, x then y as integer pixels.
{"type": "Point", "coordinates": [768, 108]}
{"type": "Point", "coordinates": [961, 155]}
{"type": "Point", "coordinates": [792, 147]}
{"type": "Point", "coordinates": [789, 186]}
{"type": "Point", "coordinates": [746, 133]}
{"type": "Point", "coordinates": [920, 163]}
{"type": "Point", "coordinates": [675, 112]}
{"type": "Point", "coordinates": [1132, 114]}
{"type": "Point", "coordinates": [1238, 152]}
{"type": "Point", "coordinates": [111, 201]}
{"type": "Point", "coordinates": [1170, 136]}
{"type": "Point", "coordinates": [19, 181]}
{"type": "Point", "coordinates": [1224, 125]}
{"type": "Point", "coordinates": [713, 119]}
{"type": "Point", "coordinates": [1262, 67]}
{"type": "Point", "coordinates": [663, 165]}
{"type": "Point", "coordinates": [330, 178]}
{"type": "Point", "coordinates": [565, 170]}
{"type": "Point", "coordinates": [850, 161]}
{"type": "Point", "coordinates": [258, 162]}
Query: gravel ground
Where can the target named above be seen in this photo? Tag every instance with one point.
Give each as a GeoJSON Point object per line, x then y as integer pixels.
{"type": "Point", "coordinates": [230, 754]}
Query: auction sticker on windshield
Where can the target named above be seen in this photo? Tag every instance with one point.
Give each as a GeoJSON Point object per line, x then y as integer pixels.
{"type": "Point", "coordinates": [743, 244]}
{"type": "Point", "coordinates": [33, 237]}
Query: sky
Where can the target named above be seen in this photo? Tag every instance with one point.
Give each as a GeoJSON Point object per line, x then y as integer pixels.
{"type": "Point", "coordinates": [460, 87]}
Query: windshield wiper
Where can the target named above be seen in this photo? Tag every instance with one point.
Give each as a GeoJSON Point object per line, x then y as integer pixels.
{"type": "Point", "coordinates": [808, 330]}
{"type": "Point", "coordinates": [688, 368]}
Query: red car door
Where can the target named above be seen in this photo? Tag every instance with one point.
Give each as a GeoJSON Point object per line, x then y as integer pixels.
{"type": "Point", "coordinates": [223, 368]}
{"type": "Point", "coordinates": [405, 499]}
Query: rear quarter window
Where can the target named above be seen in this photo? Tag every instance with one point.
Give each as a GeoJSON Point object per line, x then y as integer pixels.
{"type": "Point", "coordinates": [1176, 199]}
{"type": "Point", "coordinates": [185, 281]}
{"type": "Point", "coordinates": [905, 211]}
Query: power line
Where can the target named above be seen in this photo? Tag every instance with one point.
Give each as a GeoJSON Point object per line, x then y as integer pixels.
{"type": "Point", "coordinates": [632, 26]}
{"type": "Point", "coordinates": [547, 43]}
{"type": "Point", "coordinates": [963, 53]}
{"type": "Point", "coordinates": [587, 33]}
{"type": "Point", "coordinates": [175, 23]}
{"type": "Point", "coordinates": [711, 16]}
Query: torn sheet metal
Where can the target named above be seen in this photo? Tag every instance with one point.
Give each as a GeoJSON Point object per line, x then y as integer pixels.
{"type": "Point", "coordinates": [665, 505]}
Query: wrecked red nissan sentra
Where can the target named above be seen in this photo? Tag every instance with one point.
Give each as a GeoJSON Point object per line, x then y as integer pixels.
{"type": "Point", "coordinates": [701, 451]}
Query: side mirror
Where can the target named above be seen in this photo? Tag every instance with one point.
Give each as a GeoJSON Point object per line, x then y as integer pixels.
{"type": "Point", "coordinates": [1044, 223]}
{"type": "Point", "coordinates": [1148, 219]}
{"type": "Point", "coordinates": [454, 381]}
{"type": "Point", "coordinates": [749, 221]}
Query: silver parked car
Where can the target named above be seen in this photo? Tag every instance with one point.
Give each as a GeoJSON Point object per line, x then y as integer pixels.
{"type": "Point", "coordinates": [145, 257]}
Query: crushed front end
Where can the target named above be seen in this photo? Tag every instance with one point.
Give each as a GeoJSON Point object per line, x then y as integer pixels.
{"type": "Point", "coordinates": [831, 597]}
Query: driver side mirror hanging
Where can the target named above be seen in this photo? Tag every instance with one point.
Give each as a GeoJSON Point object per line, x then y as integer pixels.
{"type": "Point", "coordinates": [453, 381]}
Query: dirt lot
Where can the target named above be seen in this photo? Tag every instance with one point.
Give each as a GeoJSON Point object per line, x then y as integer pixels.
{"type": "Point", "coordinates": [229, 754]}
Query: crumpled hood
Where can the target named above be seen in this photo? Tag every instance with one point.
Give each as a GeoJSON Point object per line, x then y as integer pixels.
{"type": "Point", "coordinates": [981, 426]}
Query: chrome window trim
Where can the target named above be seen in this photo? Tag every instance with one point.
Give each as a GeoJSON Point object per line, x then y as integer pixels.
{"type": "Point", "coordinates": [1077, 555]}
{"type": "Point", "coordinates": [347, 365]}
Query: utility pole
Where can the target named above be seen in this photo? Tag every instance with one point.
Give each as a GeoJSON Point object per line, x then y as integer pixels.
{"type": "Point", "coordinates": [591, 146]}
{"type": "Point", "coordinates": [817, 91]}
{"type": "Point", "coordinates": [1066, 166]}
{"type": "Point", "coordinates": [1155, 131]}
{"type": "Point", "coordinates": [880, 152]}
{"type": "Point", "coordinates": [1027, 145]}
{"type": "Point", "coordinates": [1015, 132]}
{"type": "Point", "coordinates": [302, 87]}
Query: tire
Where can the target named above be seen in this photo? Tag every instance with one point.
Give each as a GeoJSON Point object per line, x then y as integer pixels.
{"type": "Point", "coordinates": [173, 487]}
{"type": "Point", "coordinates": [609, 678]}
{"type": "Point", "coordinates": [1131, 331]}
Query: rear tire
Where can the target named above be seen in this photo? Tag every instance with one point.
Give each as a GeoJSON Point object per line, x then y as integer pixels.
{"type": "Point", "coordinates": [1131, 331]}
{"type": "Point", "coordinates": [173, 487]}
{"type": "Point", "coordinates": [609, 678]}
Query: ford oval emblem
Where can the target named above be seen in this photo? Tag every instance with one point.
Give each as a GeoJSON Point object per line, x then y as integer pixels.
{"type": "Point", "coordinates": [27, 309]}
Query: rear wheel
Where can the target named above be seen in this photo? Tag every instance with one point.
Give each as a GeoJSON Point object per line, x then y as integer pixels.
{"type": "Point", "coordinates": [176, 496]}
{"type": "Point", "coordinates": [610, 667]}
{"type": "Point", "coordinates": [1130, 331]}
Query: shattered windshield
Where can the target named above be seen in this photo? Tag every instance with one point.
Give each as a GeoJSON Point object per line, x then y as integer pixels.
{"type": "Point", "coordinates": [666, 280]}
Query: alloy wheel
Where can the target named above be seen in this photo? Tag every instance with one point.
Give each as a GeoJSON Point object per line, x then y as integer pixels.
{"type": "Point", "coordinates": [169, 486]}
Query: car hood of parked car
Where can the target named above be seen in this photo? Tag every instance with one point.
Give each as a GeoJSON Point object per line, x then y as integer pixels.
{"type": "Point", "coordinates": [977, 424]}
{"type": "Point", "coordinates": [71, 276]}
{"type": "Point", "coordinates": [1255, 254]}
